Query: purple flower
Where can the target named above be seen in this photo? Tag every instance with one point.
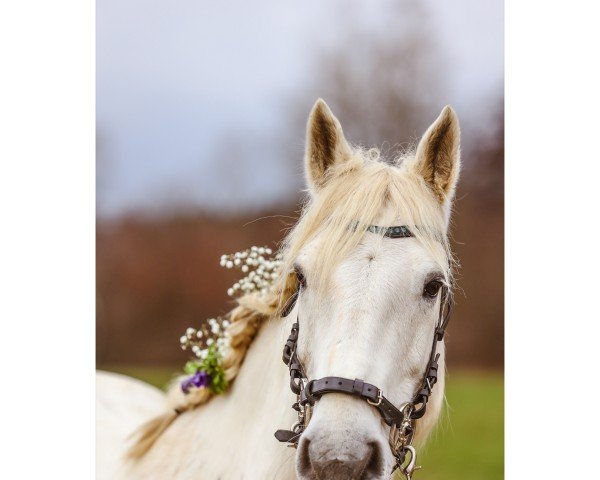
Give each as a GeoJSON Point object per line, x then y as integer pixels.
{"type": "Point", "coordinates": [199, 379]}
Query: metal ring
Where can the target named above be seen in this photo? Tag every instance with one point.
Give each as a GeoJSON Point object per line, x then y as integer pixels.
{"type": "Point", "coordinates": [407, 409]}
{"type": "Point", "coordinates": [379, 398]}
{"type": "Point", "coordinates": [310, 398]}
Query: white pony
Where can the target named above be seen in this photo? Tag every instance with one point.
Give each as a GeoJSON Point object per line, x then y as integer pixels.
{"type": "Point", "coordinates": [367, 308]}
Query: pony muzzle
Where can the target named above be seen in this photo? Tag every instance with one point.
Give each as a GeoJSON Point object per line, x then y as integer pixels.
{"type": "Point", "coordinates": [344, 440]}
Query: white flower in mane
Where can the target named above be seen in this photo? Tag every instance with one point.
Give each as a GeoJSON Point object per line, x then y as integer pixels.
{"type": "Point", "coordinates": [261, 266]}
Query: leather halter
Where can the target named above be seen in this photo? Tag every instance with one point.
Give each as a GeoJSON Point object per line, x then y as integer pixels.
{"type": "Point", "coordinates": [309, 392]}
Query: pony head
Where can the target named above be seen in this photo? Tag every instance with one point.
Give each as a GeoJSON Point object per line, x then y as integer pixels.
{"type": "Point", "coordinates": [368, 304]}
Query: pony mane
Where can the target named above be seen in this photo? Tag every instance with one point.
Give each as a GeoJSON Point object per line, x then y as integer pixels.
{"type": "Point", "coordinates": [355, 194]}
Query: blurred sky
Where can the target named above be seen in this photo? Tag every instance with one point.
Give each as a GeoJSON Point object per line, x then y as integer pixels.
{"type": "Point", "coordinates": [182, 86]}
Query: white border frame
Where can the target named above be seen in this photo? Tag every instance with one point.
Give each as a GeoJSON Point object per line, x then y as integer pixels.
{"type": "Point", "coordinates": [47, 252]}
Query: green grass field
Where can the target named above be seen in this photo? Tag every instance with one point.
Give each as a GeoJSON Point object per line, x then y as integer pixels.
{"type": "Point", "coordinates": [468, 443]}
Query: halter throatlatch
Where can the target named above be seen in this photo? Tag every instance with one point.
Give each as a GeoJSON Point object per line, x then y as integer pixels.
{"type": "Point", "coordinates": [400, 420]}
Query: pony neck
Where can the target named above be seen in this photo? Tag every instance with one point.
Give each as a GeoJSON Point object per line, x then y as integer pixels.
{"type": "Point", "coordinates": [260, 399]}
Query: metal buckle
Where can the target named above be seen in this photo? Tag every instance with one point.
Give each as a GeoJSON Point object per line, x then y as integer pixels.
{"type": "Point", "coordinates": [379, 398]}
{"type": "Point", "coordinates": [297, 428]}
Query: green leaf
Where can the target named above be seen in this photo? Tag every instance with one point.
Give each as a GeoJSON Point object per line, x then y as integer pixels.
{"type": "Point", "coordinates": [191, 367]}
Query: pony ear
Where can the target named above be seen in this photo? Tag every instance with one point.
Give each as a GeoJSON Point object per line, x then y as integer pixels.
{"type": "Point", "coordinates": [438, 155]}
{"type": "Point", "coordinates": [325, 144]}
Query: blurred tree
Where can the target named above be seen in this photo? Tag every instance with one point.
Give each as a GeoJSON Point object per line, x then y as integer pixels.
{"type": "Point", "coordinates": [485, 173]}
{"type": "Point", "coordinates": [477, 335]}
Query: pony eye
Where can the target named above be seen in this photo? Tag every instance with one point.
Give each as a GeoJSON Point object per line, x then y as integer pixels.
{"type": "Point", "coordinates": [432, 288]}
{"type": "Point", "coordinates": [300, 276]}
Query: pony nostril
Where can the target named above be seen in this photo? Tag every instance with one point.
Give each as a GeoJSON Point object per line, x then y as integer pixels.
{"type": "Point", "coordinates": [375, 463]}
{"type": "Point", "coordinates": [303, 458]}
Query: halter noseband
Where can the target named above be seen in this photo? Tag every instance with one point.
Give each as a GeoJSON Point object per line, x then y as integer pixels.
{"type": "Point", "coordinates": [401, 420]}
